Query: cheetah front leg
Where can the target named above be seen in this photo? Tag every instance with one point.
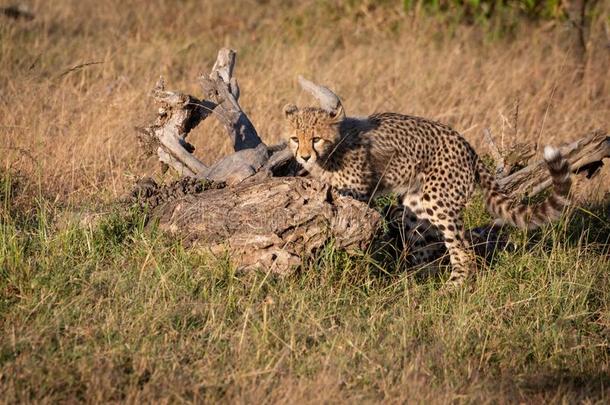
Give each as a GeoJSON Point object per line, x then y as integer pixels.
{"type": "Point", "coordinates": [358, 190]}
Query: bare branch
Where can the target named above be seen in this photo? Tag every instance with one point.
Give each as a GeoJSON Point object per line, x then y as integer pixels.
{"type": "Point", "coordinates": [495, 154]}
{"type": "Point", "coordinates": [179, 113]}
{"type": "Point", "coordinates": [79, 66]}
{"type": "Point", "coordinates": [221, 87]}
{"type": "Point", "coordinates": [510, 159]}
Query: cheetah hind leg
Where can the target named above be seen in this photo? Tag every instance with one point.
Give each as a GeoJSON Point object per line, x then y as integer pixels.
{"type": "Point", "coordinates": [463, 263]}
{"type": "Point", "coordinates": [451, 228]}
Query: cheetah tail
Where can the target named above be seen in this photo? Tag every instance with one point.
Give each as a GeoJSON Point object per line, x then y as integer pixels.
{"type": "Point", "coordinates": [529, 216]}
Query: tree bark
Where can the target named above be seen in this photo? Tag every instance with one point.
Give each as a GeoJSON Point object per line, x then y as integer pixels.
{"type": "Point", "coordinates": [271, 224]}
{"type": "Point", "coordinates": [578, 32]}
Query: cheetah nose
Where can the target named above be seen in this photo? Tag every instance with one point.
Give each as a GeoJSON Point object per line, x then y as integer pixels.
{"type": "Point", "coordinates": [305, 158]}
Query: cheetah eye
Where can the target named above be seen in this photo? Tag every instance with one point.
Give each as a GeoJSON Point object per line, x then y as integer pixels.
{"type": "Point", "coordinates": [316, 140]}
{"type": "Point", "coordinates": [294, 139]}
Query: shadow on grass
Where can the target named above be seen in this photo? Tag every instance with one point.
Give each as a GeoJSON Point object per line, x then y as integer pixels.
{"type": "Point", "coordinates": [20, 200]}
{"type": "Point", "coordinates": [585, 227]}
{"type": "Point", "coordinates": [568, 384]}
{"type": "Point", "coordinates": [590, 226]}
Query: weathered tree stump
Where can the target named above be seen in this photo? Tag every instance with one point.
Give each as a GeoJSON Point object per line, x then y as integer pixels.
{"type": "Point", "coordinates": [271, 224]}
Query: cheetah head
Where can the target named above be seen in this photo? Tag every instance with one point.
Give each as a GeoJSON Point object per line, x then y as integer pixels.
{"type": "Point", "coordinates": [313, 133]}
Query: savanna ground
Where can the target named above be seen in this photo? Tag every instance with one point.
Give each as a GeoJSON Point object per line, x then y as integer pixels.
{"type": "Point", "coordinates": [113, 312]}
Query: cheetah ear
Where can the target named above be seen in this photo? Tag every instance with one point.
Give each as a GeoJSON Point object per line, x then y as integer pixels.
{"type": "Point", "coordinates": [338, 113]}
{"type": "Point", "coordinates": [290, 110]}
{"type": "Point", "coordinates": [328, 100]}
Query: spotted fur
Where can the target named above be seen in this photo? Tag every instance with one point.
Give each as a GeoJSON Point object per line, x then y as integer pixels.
{"type": "Point", "coordinates": [430, 166]}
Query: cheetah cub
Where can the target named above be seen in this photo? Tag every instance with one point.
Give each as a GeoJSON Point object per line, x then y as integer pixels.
{"type": "Point", "coordinates": [430, 166]}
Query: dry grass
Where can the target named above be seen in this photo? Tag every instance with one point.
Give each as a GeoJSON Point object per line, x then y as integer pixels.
{"type": "Point", "coordinates": [116, 314]}
{"type": "Point", "coordinates": [78, 126]}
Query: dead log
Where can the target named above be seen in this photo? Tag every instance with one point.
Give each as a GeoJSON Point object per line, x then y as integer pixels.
{"type": "Point", "coordinates": [271, 225]}
{"type": "Point", "coordinates": [258, 212]}
{"type": "Point", "coordinates": [586, 155]}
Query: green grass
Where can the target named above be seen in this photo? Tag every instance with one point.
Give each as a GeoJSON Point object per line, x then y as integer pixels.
{"type": "Point", "coordinates": [120, 312]}
{"type": "Point", "coordinates": [116, 312]}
